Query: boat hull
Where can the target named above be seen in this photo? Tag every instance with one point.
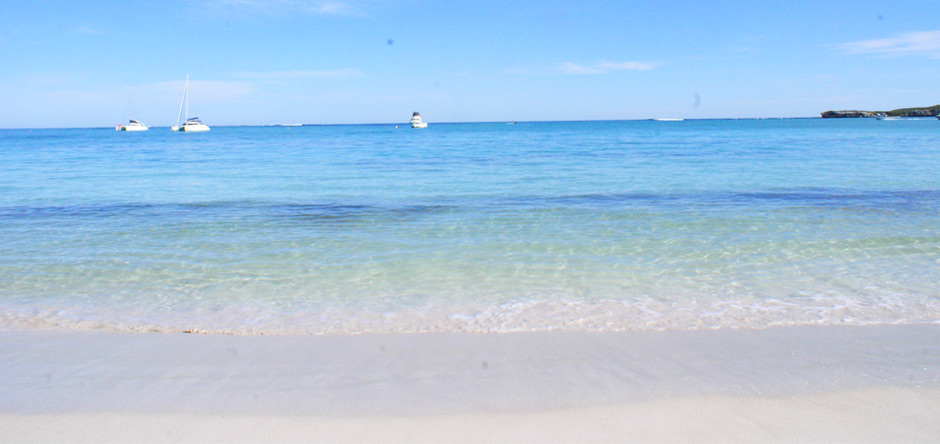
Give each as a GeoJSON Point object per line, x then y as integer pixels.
{"type": "Point", "coordinates": [416, 121]}
{"type": "Point", "coordinates": [133, 126]}
{"type": "Point", "coordinates": [194, 128]}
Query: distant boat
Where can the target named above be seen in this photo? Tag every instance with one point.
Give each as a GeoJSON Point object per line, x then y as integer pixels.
{"type": "Point", "coordinates": [886, 117]}
{"type": "Point", "coordinates": [416, 121]}
{"type": "Point", "coordinates": [193, 125]}
{"type": "Point", "coordinates": [133, 125]}
{"type": "Point", "coordinates": [669, 120]}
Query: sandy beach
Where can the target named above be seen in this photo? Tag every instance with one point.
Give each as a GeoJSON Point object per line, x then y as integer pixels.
{"type": "Point", "coordinates": [808, 384]}
{"type": "Point", "coordinates": [341, 221]}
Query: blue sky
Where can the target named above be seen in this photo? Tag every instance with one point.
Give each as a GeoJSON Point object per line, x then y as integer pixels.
{"type": "Point", "coordinates": [96, 63]}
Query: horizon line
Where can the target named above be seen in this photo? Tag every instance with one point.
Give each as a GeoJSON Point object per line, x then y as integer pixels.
{"type": "Point", "coordinates": [648, 119]}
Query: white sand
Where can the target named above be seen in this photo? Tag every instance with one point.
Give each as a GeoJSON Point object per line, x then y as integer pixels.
{"type": "Point", "coordinates": [818, 384]}
{"type": "Point", "coordinates": [872, 415]}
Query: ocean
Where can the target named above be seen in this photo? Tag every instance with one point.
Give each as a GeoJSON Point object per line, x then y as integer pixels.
{"type": "Point", "coordinates": [483, 227]}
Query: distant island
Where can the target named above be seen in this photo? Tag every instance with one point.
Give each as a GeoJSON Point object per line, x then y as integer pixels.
{"type": "Point", "coordinates": [930, 111]}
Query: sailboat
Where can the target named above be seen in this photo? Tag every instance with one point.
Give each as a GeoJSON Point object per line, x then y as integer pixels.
{"type": "Point", "coordinates": [132, 125]}
{"type": "Point", "coordinates": [193, 125]}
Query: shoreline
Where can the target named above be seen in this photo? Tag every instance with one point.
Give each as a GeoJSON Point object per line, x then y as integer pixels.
{"type": "Point", "coordinates": [864, 382]}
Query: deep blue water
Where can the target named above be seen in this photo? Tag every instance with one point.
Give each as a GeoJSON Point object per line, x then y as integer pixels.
{"type": "Point", "coordinates": [481, 227]}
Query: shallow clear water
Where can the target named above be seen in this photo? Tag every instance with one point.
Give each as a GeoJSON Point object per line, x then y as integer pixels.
{"type": "Point", "coordinates": [479, 227]}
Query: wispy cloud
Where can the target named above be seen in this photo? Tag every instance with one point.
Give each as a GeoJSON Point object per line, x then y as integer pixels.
{"type": "Point", "coordinates": [922, 43]}
{"type": "Point", "coordinates": [208, 91]}
{"type": "Point", "coordinates": [600, 67]}
{"type": "Point", "coordinates": [289, 6]}
{"type": "Point", "coordinates": [604, 67]}
{"type": "Point", "coordinates": [88, 30]}
{"type": "Point", "coordinates": [298, 74]}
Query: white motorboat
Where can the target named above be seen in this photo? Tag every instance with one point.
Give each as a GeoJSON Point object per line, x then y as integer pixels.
{"type": "Point", "coordinates": [133, 125]}
{"type": "Point", "coordinates": [193, 125]}
{"type": "Point", "coordinates": [416, 121]}
{"type": "Point", "coordinates": [883, 116]}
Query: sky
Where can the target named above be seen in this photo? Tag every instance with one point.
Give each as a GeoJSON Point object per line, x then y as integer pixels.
{"type": "Point", "coordinates": [82, 63]}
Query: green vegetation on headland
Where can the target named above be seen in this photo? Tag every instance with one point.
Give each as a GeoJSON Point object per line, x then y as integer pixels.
{"type": "Point", "coordinates": [929, 111]}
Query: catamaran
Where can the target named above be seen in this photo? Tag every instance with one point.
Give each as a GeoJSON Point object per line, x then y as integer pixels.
{"type": "Point", "coordinates": [133, 125]}
{"type": "Point", "coordinates": [191, 125]}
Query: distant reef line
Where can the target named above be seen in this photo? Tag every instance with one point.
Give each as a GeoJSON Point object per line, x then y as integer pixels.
{"type": "Point", "coordinates": [927, 111]}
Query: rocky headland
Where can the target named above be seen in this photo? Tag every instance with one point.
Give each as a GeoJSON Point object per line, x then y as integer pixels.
{"type": "Point", "coordinates": [928, 111]}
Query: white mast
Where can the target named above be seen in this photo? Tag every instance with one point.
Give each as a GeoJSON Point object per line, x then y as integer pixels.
{"type": "Point", "coordinates": [130, 96]}
{"type": "Point", "coordinates": [182, 101]}
{"type": "Point", "coordinates": [187, 96]}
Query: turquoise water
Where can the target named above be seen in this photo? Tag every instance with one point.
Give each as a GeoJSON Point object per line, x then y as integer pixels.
{"type": "Point", "coordinates": [472, 227]}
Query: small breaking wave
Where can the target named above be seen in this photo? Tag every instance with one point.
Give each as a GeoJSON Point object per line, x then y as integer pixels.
{"type": "Point", "coordinates": [508, 316]}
